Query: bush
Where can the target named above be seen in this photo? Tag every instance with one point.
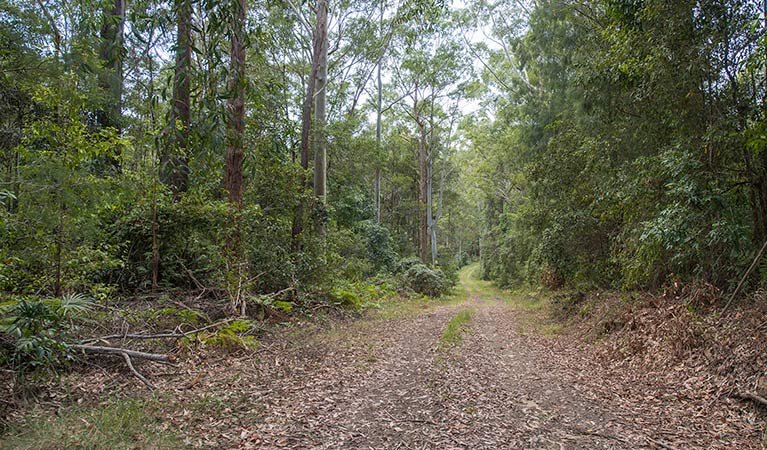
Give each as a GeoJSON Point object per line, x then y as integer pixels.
{"type": "Point", "coordinates": [404, 264]}
{"type": "Point", "coordinates": [32, 332]}
{"type": "Point", "coordinates": [378, 242]}
{"type": "Point", "coordinates": [359, 294]}
{"type": "Point", "coordinates": [192, 237]}
{"type": "Point", "coordinates": [425, 280]}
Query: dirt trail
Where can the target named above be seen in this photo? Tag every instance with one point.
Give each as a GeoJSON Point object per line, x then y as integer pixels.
{"type": "Point", "coordinates": [386, 384]}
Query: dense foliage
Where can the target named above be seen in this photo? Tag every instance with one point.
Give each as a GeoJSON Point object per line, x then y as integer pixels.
{"type": "Point", "coordinates": [119, 127]}
{"type": "Point", "coordinates": [225, 152]}
{"type": "Point", "coordinates": [627, 147]}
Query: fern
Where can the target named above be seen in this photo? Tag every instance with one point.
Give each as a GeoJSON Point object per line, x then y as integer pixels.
{"type": "Point", "coordinates": [72, 305]}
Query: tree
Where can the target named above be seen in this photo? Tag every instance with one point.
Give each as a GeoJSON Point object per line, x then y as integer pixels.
{"type": "Point", "coordinates": [111, 53]}
{"type": "Point", "coordinates": [235, 106]}
{"type": "Point", "coordinates": [320, 30]}
{"type": "Point", "coordinates": [320, 148]}
{"type": "Point", "coordinates": [175, 160]}
{"type": "Point", "coordinates": [379, 125]}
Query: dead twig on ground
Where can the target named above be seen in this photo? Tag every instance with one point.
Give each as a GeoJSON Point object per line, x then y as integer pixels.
{"type": "Point", "coordinates": [602, 435]}
{"type": "Point", "coordinates": [426, 421]}
{"type": "Point", "coordinates": [143, 379]}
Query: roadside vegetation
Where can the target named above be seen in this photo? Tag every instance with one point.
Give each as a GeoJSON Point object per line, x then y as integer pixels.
{"type": "Point", "coordinates": [117, 424]}
{"type": "Point", "coordinates": [189, 180]}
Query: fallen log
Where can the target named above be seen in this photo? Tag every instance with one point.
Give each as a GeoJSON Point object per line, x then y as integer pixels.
{"type": "Point", "coordinates": [127, 355]}
{"type": "Point", "coordinates": [124, 351]}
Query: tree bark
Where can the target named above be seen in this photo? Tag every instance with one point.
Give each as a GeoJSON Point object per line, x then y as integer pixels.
{"type": "Point", "coordinates": [306, 129]}
{"type": "Point", "coordinates": [320, 144]}
{"type": "Point", "coordinates": [422, 177]}
{"type": "Point", "coordinates": [175, 160]}
{"type": "Point", "coordinates": [235, 107]}
{"type": "Point", "coordinates": [379, 129]}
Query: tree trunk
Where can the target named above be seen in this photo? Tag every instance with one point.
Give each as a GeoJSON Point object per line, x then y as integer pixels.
{"type": "Point", "coordinates": [175, 160]}
{"type": "Point", "coordinates": [58, 236]}
{"type": "Point", "coordinates": [481, 260]}
{"type": "Point", "coordinates": [320, 149]}
{"type": "Point", "coordinates": [111, 80]}
{"type": "Point", "coordinates": [235, 108]}
{"type": "Point", "coordinates": [235, 112]}
{"type": "Point", "coordinates": [155, 175]}
{"type": "Point", "coordinates": [306, 128]}
{"type": "Point", "coordinates": [422, 184]}
{"type": "Point", "coordinates": [10, 147]}
{"type": "Point", "coordinates": [430, 212]}
{"type": "Point", "coordinates": [442, 176]}
{"type": "Point", "coordinates": [379, 129]}
{"type": "Point", "coordinates": [431, 220]}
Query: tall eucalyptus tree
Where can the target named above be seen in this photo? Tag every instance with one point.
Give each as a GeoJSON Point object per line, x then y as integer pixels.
{"type": "Point", "coordinates": [175, 158]}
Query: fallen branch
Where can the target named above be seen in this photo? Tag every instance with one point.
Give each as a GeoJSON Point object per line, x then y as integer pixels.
{"type": "Point", "coordinates": [124, 351]}
{"type": "Point", "coordinates": [191, 275]}
{"type": "Point", "coordinates": [277, 294]}
{"type": "Point", "coordinates": [136, 372]}
{"type": "Point", "coordinates": [753, 397]}
{"type": "Point", "coordinates": [127, 354]}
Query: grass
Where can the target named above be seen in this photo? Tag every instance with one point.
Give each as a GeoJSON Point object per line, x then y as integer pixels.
{"type": "Point", "coordinates": [529, 301]}
{"type": "Point", "coordinates": [453, 333]}
{"type": "Point", "coordinates": [402, 308]}
{"type": "Point", "coordinates": [124, 424]}
{"type": "Point", "coordinates": [535, 305]}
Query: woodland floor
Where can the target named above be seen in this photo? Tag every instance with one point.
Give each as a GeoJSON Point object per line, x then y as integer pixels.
{"type": "Point", "coordinates": [392, 380]}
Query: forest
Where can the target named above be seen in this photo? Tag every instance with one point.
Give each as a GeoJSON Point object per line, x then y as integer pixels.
{"type": "Point", "coordinates": [383, 224]}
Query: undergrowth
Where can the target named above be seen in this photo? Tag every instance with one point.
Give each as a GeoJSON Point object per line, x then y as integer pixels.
{"type": "Point", "coordinates": [119, 424]}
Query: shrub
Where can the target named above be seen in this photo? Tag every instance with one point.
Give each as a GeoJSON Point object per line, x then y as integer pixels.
{"type": "Point", "coordinates": [378, 242]}
{"type": "Point", "coordinates": [404, 264]}
{"type": "Point", "coordinates": [359, 294]}
{"type": "Point", "coordinates": [425, 280]}
{"type": "Point", "coordinates": [34, 332]}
